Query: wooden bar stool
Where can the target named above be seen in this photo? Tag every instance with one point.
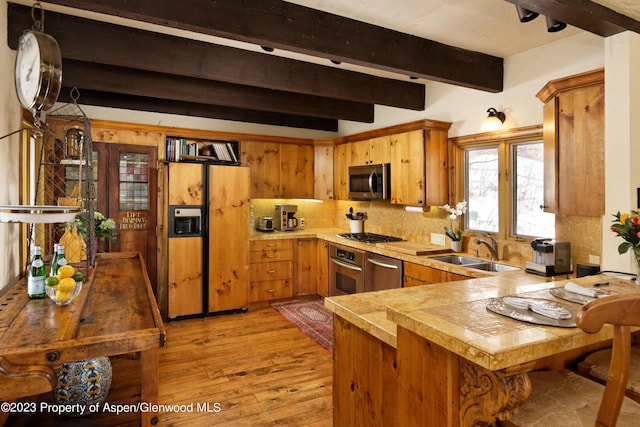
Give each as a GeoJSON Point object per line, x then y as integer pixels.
{"type": "Point", "coordinates": [596, 367]}
{"type": "Point", "coordinates": [564, 398]}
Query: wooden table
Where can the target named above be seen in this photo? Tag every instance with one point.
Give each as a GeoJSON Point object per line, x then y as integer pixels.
{"type": "Point", "coordinates": [462, 365]}
{"type": "Point", "coordinates": [116, 313]}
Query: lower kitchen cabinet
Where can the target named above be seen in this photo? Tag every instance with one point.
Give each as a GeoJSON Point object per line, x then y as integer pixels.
{"type": "Point", "coordinates": [323, 268]}
{"type": "Point", "coordinates": [306, 255]}
{"type": "Point", "coordinates": [417, 275]}
{"type": "Point", "coordinates": [271, 266]}
{"type": "Point", "coordinates": [364, 378]}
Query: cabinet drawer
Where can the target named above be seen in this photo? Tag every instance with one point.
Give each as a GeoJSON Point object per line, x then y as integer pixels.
{"type": "Point", "coordinates": [271, 270]}
{"type": "Point", "coordinates": [270, 290]}
{"type": "Point", "coordinates": [269, 245]}
{"type": "Point", "coordinates": [269, 255]}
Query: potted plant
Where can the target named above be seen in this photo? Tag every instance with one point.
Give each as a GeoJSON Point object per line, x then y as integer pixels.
{"type": "Point", "coordinates": [103, 227]}
{"type": "Point", "coordinates": [455, 213]}
{"type": "Point", "coordinates": [627, 226]}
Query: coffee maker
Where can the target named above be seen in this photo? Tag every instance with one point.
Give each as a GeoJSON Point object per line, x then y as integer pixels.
{"type": "Point", "coordinates": [285, 219]}
{"type": "Point", "coordinates": [550, 258]}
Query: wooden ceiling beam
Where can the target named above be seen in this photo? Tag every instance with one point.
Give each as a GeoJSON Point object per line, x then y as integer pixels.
{"type": "Point", "coordinates": [283, 25]}
{"type": "Point", "coordinates": [583, 14]}
{"type": "Point", "coordinates": [107, 78]}
{"type": "Point", "coordinates": [132, 48]}
{"type": "Point", "coordinates": [138, 103]}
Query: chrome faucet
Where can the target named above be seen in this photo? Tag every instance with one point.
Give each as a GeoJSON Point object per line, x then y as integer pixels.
{"type": "Point", "coordinates": [493, 247]}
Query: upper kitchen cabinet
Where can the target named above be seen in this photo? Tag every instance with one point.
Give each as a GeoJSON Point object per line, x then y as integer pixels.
{"type": "Point", "coordinates": [370, 151]}
{"type": "Point", "coordinates": [279, 170]}
{"type": "Point", "coordinates": [573, 135]}
{"type": "Point", "coordinates": [417, 153]}
{"type": "Point", "coordinates": [341, 162]}
{"type": "Point", "coordinates": [419, 167]}
{"type": "Point", "coordinates": [323, 170]}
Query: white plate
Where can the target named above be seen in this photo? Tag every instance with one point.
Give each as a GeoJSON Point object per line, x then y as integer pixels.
{"type": "Point", "coordinates": [38, 214]}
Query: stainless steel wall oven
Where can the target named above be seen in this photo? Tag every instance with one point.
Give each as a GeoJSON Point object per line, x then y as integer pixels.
{"type": "Point", "coordinates": [346, 270]}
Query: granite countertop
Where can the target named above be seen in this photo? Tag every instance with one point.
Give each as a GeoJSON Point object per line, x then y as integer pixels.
{"type": "Point", "coordinates": [453, 315]}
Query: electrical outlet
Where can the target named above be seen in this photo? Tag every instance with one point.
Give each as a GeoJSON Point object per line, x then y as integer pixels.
{"type": "Point", "coordinates": [594, 259]}
{"type": "Point", "coordinates": [438, 239]}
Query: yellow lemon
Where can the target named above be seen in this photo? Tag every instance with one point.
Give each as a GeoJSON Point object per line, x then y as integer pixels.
{"type": "Point", "coordinates": [66, 271]}
{"type": "Point", "coordinates": [66, 284]}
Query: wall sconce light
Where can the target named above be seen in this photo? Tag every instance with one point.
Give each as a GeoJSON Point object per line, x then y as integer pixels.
{"type": "Point", "coordinates": [526, 15]}
{"type": "Point", "coordinates": [494, 120]}
{"type": "Point", "coordinates": [554, 26]}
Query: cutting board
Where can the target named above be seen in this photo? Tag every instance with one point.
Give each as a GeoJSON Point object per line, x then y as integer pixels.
{"type": "Point", "coordinates": [411, 248]}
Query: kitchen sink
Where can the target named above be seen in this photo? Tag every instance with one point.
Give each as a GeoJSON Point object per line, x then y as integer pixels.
{"type": "Point", "coordinates": [495, 267]}
{"type": "Point", "coordinates": [457, 259]}
{"type": "Point", "coordinates": [475, 263]}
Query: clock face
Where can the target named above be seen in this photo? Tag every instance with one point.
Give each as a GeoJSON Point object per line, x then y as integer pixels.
{"type": "Point", "coordinates": [38, 70]}
{"type": "Point", "coordinates": [28, 70]}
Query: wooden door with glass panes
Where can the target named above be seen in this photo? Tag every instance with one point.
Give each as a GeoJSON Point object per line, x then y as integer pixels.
{"type": "Point", "coordinates": [126, 192]}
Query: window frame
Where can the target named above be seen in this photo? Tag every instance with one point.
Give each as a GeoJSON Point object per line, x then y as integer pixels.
{"type": "Point", "coordinates": [504, 140]}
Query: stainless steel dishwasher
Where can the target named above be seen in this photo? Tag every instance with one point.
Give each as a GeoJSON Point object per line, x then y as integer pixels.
{"type": "Point", "coordinates": [381, 272]}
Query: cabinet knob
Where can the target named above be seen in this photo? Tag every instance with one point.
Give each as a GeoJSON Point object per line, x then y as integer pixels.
{"type": "Point", "coordinates": [271, 272]}
{"type": "Point", "coordinates": [542, 207]}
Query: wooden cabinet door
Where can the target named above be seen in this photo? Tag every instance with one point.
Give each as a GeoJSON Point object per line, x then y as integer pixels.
{"type": "Point", "coordinates": [323, 172]}
{"type": "Point", "coordinates": [306, 266]}
{"type": "Point", "coordinates": [550, 153]}
{"type": "Point", "coordinates": [407, 168]}
{"type": "Point", "coordinates": [380, 149]}
{"type": "Point", "coordinates": [323, 268]}
{"type": "Point", "coordinates": [436, 167]}
{"type": "Point", "coordinates": [185, 186]}
{"type": "Point", "coordinates": [296, 171]}
{"type": "Point", "coordinates": [341, 162]}
{"type": "Point", "coordinates": [263, 159]}
{"type": "Point", "coordinates": [359, 153]}
{"type": "Point", "coordinates": [228, 237]}
{"type": "Point", "coordinates": [417, 275]}
{"type": "Point", "coordinates": [581, 151]}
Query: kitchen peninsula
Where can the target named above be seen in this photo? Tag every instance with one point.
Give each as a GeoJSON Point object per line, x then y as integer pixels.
{"type": "Point", "coordinates": [433, 355]}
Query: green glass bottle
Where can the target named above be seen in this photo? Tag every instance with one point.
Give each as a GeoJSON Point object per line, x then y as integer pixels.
{"type": "Point", "coordinates": [54, 260]}
{"type": "Point", "coordinates": [37, 274]}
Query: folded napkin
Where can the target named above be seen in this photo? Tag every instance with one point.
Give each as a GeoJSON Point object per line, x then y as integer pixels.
{"type": "Point", "coordinates": [577, 289]}
{"type": "Point", "coordinates": [544, 307]}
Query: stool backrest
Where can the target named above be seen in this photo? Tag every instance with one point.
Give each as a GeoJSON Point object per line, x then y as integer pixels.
{"type": "Point", "coordinates": [622, 312]}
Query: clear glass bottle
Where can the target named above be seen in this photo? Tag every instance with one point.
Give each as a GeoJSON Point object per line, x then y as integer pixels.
{"type": "Point", "coordinates": [36, 276]}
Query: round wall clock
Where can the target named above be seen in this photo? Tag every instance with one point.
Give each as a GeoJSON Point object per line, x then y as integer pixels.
{"type": "Point", "coordinates": [38, 71]}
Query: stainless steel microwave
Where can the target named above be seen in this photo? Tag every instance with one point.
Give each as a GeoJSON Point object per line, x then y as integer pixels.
{"type": "Point", "coordinates": [370, 182]}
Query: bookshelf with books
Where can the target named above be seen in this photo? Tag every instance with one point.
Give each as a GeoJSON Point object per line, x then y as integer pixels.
{"type": "Point", "coordinates": [215, 151]}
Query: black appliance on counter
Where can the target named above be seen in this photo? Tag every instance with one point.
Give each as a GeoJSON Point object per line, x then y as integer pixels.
{"type": "Point", "coordinates": [370, 237]}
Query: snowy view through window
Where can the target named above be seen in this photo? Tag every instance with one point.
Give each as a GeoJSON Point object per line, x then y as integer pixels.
{"type": "Point", "coordinates": [482, 188]}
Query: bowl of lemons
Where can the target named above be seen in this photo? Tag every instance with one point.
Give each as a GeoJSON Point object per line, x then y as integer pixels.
{"type": "Point", "coordinates": [64, 286]}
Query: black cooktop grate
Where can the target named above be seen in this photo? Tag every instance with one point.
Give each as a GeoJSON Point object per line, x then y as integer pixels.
{"type": "Point", "coordinates": [369, 237]}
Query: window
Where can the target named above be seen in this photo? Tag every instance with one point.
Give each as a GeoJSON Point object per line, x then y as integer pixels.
{"type": "Point", "coordinates": [502, 181]}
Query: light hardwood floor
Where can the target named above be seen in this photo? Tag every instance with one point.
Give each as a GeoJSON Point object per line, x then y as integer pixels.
{"type": "Point", "coordinates": [259, 369]}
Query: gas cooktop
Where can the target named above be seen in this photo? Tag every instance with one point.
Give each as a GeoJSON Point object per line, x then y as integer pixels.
{"type": "Point", "coordinates": [369, 237]}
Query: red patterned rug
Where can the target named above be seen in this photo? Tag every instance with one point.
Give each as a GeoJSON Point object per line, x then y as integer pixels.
{"type": "Point", "coordinates": [311, 317]}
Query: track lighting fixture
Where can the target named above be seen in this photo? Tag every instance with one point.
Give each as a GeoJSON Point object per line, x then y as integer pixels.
{"type": "Point", "coordinates": [494, 120]}
{"type": "Point", "coordinates": [554, 26]}
{"type": "Point", "coordinates": [526, 15]}
{"type": "Point", "coordinates": [267, 48]}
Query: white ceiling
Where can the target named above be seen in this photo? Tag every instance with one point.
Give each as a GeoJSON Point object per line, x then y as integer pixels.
{"type": "Point", "coordinates": [488, 26]}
